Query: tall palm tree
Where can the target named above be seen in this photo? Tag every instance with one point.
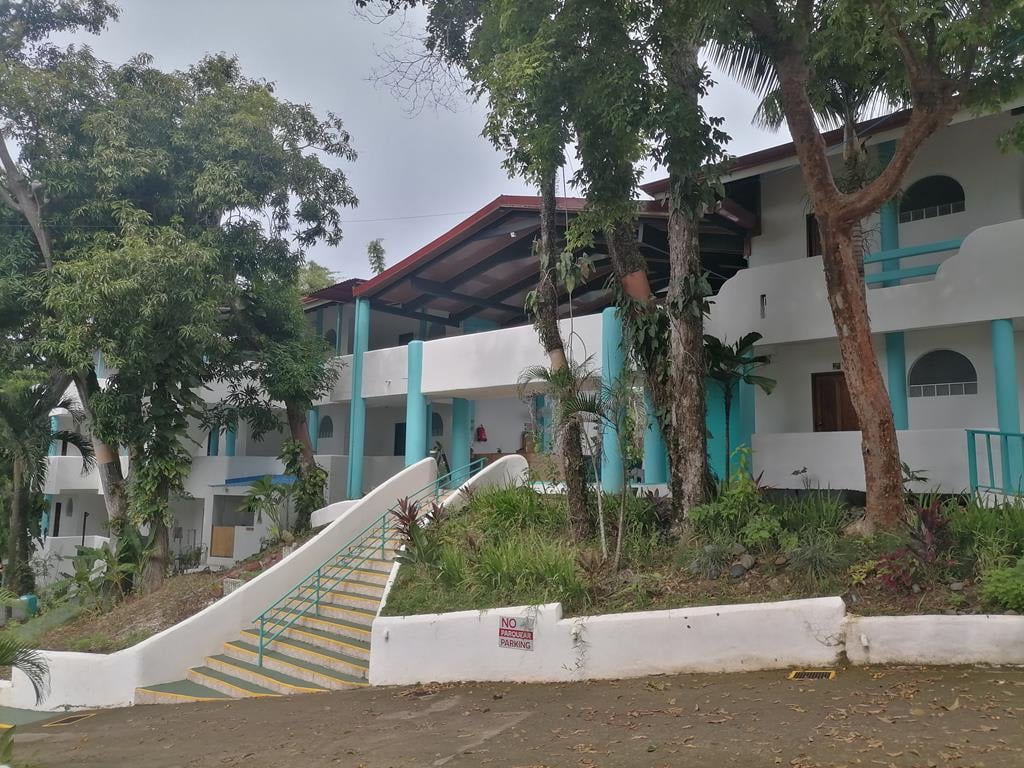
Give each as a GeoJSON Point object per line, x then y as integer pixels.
{"type": "Point", "coordinates": [26, 433]}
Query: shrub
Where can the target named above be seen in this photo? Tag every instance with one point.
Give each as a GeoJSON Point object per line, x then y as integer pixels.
{"type": "Point", "coordinates": [515, 508]}
{"type": "Point", "coordinates": [761, 533]}
{"type": "Point", "coordinates": [899, 570]}
{"type": "Point", "coordinates": [1003, 588]}
{"type": "Point", "coordinates": [529, 568]}
{"type": "Point", "coordinates": [816, 555]}
{"type": "Point", "coordinates": [815, 511]}
{"type": "Point", "coordinates": [988, 537]}
{"type": "Point", "coordinates": [708, 561]}
{"type": "Point", "coordinates": [452, 565]}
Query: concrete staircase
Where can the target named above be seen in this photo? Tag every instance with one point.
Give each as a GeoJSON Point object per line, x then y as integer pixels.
{"type": "Point", "coordinates": [326, 647]}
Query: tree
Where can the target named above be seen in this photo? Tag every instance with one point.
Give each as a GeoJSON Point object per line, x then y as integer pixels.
{"type": "Point", "coordinates": [26, 434]}
{"type": "Point", "coordinates": [730, 365]}
{"type": "Point", "coordinates": [314, 277]}
{"type": "Point", "coordinates": [942, 57]}
{"type": "Point", "coordinates": [375, 255]}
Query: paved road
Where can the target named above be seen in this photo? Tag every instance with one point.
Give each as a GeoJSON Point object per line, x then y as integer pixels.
{"type": "Point", "coordinates": [865, 717]}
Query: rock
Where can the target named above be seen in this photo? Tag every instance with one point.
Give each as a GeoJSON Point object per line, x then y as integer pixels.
{"type": "Point", "coordinates": [778, 585]}
{"type": "Point", "coordinates": [747, 561]}
{"type": "Point", "coordinates": [782, 560]}
{"type": "Point", "coordinates": [738, 549]}
{"type": "Point", "coordinates": [957, 586]}
{"type": "Point", "coordinates": [737, 571]}
{"type": "Point", "coordinates": [916, 589]}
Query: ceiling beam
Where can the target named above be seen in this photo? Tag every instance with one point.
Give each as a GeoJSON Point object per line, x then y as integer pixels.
{"type": "Point", "coordinates": [439, 290]}
{"type": "Point", "coordinates": [391, 309]}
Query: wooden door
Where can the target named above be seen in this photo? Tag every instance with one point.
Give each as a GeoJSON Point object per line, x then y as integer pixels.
{"type": "Point", "coordinates": [832, 407]}
{"type": "Point", "coordinates": [222, 541]}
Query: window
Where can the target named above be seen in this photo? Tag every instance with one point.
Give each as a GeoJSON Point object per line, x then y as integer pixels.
{"type": "Point", "coordinates": [405, 338]}
{"type": "Point", "coordinates": [326, 431]}
{"type": "Point", "coordinates": [942, 373]}
{"type": "Point", "coordinates": [930, 197]}
{"type": "Point", "coordinates": [436, 425]}
{"type": "Point", "coordinates": [813, 236]}
{"type": "Point", "coordinates": [331, 337]}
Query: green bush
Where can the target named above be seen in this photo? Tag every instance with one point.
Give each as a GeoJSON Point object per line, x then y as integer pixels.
{"type": "Point", "coordinates": [1003, 588]}
{"type": "Point", "coordinates": [815, 511]}
{"type": "Point", "coordinates": [989, 538]}
{"type": "Point", "coordinates": [528, 568]}
{"type": "Point", "coordinates": [816, 555]}
{"type": "Point", "coordinates": [761, 533]}
{"type": "Point", "coordinates": [514, 508]}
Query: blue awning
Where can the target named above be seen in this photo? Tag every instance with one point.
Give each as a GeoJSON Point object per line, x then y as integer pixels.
{"type": "Point", "coordinates": [250, 479]}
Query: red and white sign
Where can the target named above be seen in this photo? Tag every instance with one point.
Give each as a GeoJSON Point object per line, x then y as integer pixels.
{"type": "Point", "coordinates": [516, 633]}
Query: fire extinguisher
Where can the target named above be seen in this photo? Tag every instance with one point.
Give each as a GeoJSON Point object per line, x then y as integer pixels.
{"type": "Point", "coordinates": [481, 434]}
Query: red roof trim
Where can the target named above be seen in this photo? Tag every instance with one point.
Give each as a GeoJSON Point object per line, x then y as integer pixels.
{"type": "Point", "coordinates": [784, 151]}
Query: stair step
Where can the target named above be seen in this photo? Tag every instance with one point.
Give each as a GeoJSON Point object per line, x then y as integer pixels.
{"type": "Point", "coordinates": [361, 616]}
{"type": "Point", "coordinates": [342, 628]}
{"type": "Point", "coordinates": [345, 597]}
{"type": "Point", "coordinates": [227, 683]}
{"type": "Point", "coordinates": [317, 673]}
{"type": "Point", "coordinates": [349, 660]}
{"type": "Point", "coordinates": [356, 648]}
{"type": "Point", "coordinates": [178, 692]}
{"type": "Point", "coordinates": [264, 677]}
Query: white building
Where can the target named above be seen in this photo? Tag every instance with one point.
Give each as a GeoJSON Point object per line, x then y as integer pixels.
{"type": "Point", "coordinates": [433, 348]}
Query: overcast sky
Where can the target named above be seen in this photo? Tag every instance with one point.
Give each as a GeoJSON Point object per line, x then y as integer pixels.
{"type": "Point", "coordinates": [416, 176]}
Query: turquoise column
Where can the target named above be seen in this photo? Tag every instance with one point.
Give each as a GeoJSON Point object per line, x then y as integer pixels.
{"type": "Point", "coordinates": [896, 367]}
{"type": "Point", "coordinates": [313, 424]}
{"type": "Point", "coordinates": [895, 344]}
{"type": "Point", "coordinates": [428, 444]}
{"type": "Point", "coordinates": [54, 426]}
{"type": "Point", "coordinates": [357, 409]}
{"type": "Point", "coordinates": [461, 439]}
{"type": "Point", "coordinates": [612, 365]}
{"type": "Point", "coordinates": [339, 308]}
{"type": "Point", "coordinates": [655, 453]}
{"type": "Point", "coordinates": [213, 442]}
{"type": "Point", "coordinates": [415, 408]}
{"type": "Point", "coordinates": [318, 319]}
{"type": "Point", "coordinates": [229, 441]}
{"type": "Point", "coordinates": [1007, 406]}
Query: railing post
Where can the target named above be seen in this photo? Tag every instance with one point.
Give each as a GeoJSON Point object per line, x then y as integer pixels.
{"type": "Point", "coordinates": [972, 461]}
{"type": "Point", "coordinates": [262, 620]}
{"type": "Point", "coordinates": [383, 534]}
{"type": "Point", "coordinates": [318, 590]}
{"type": "Point", "coordinates": [991, 465]}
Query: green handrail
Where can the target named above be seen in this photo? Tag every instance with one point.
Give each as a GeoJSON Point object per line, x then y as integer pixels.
{"type": "Point", "coordinates": [297, 602]}
{"type": "Point", "coordinates": [1011, 461]}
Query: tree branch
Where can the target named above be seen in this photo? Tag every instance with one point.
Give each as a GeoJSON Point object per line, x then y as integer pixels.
{"type": "Point", "coordinates": [27, 204]}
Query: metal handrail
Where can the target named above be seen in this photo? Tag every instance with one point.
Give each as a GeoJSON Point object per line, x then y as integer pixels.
{"type": "Point", "coordinates": [1011, 460]}
{"type": "Point", "coordinates": [297, 603]}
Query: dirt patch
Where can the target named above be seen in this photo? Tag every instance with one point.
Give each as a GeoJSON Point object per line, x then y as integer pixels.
{"type": "Point", "coordinates": [136, 618]}
{"type": "Point", "coordinates": [895, 718]}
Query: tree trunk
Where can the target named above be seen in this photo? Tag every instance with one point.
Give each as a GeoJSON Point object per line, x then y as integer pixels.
{"type": "Point", "coordinates": [298, 426]}
{"type": "Point", "coordinates": [546, 320]}
{"type": "Point", "coordinates": [847, 298]}
{"type": "Point", "coordinates": [108, 462]}
{"type": "Point", "coordinates": [16, 523]}
{"type": "Point", "coordinates": [687, 447]}
{"type": "Point", "coordinates": [155, 570]}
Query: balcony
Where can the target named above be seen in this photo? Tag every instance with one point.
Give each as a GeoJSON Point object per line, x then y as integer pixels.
{"type": "Point", "coordinates": [787, 302]}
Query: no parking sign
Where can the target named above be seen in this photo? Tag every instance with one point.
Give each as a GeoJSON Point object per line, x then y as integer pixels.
{"type": "Point", "coordinates": [516, 632]}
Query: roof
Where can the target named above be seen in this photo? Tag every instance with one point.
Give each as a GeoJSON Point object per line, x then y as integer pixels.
{"type": "Point", "coordinates": [788, 150]}
{"type": "Point", "coordinates": [339, 292]}
{"type": "Point", "coordinates": [486, 265]}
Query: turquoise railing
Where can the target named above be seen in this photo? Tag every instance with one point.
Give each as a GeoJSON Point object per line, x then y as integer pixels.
{"type": "Point", "coordinates": [894, 276]}
{"type": "Point", "coordinates": [304, 598]}
{"type": "Point", "coordinates": [1010, 449]}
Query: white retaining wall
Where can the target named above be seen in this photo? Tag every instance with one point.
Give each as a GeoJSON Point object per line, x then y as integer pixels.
{"type": "Point", "coordinates": [465, 645]}
{"type": "Point", "coordinates": [97, 680]}
{"type": "Point", "coordinates": [935, 639]}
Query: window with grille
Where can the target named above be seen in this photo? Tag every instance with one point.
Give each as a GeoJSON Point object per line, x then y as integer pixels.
{"type": "Point", "coordinates": [942, 373]}
{"type": "Point", "coordinates": [930, 197]}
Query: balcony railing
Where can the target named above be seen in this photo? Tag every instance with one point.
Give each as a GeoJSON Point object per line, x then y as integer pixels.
{"type": "Point", "coordinates": [1010, 449]}
{"type": "Point", "coordinates": [891, 258]}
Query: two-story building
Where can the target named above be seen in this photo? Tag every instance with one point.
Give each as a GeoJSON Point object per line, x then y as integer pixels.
{"type": "Point", "coordinates": [432, 350]}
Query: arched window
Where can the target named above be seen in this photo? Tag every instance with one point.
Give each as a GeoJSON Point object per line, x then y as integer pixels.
{"type": "Point", "coordinates": [942, 372]}
{"type": "Point", "coordinates": [331, 337]}
{"type": "Point", "coordinates": [326, 428]}
{"type": "Point", "coordinates": [930, 197]}
{"type": "Point", "coordinates": [436, 425]}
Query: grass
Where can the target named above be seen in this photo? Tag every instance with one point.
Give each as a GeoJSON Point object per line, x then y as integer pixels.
{"type": "Point", "coordinates": [510, 546]}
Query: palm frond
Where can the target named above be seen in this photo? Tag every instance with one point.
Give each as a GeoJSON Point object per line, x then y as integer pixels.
{"type": "Point", "coordinates": [82, 443]}
{"type": "Point", "coordinates": [747, 63]}
{"type": "Point", "coordinates": [29, 661]}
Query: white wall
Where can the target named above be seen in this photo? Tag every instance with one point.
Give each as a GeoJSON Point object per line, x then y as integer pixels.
{"type": "Point", "coordinates": [833, 459]}
{"type": "Point", "coordinates": [935, 639]}
{"type": "Point", "coordinates": [504, 418]}
{"type": "Point", "coordinates": [98, 680]}
{"type": "Point", "coordinates": [464, 646]}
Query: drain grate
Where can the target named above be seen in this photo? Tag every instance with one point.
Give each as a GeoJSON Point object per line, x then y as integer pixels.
{"type": "Point", "coordinates": [69, 720]}
{"type": "Point", "coordinates": [812, 674]}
